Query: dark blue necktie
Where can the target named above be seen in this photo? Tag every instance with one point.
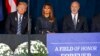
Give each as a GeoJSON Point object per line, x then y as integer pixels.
{"type": "Point", "coordinates": [19, 26]}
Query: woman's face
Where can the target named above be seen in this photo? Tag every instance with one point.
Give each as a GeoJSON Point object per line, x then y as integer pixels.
{"type": "Point", "coordinates": [47, 9]}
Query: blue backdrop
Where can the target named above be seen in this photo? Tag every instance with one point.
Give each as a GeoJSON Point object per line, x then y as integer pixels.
{"type": "Point", "coordinates": [89, 8]}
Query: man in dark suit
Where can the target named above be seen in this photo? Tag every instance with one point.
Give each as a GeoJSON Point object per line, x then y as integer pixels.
{"type": "Point", "coordinates": [96, 24]}
{"type": "Point", "coordinates": [74, 22]}
{"type": "Point", "coordinates": [17, 21]}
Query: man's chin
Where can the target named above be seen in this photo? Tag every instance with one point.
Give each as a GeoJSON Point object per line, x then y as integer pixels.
{"type": "Point", "coordinates": [21, 13]}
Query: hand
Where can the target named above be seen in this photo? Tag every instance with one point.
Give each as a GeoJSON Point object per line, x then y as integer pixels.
{"type": "Point", "coordinates": [48, 32]}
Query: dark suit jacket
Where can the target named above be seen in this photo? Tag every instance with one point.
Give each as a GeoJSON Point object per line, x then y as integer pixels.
{"type": "Point", "coordinates": [12, 23]}
{"type": "Point", "coordinates": [43, 25]}
{"type": "Point", "coordinates": [96, 24]}
{"type": "Point", "coordinates": [68, 25]}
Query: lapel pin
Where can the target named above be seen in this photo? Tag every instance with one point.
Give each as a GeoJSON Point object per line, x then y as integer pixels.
{"type": "Point", "coordinates": [15, 19]}
{"type": "Point", "coordinates": [24, 17]}
{"type": "Point", "coordinates": [78, 20]}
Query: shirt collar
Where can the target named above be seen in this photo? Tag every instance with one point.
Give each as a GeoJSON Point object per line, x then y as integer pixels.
{"type": "Point", "coordinates": [76, 15]}
{"type": "Point", "coordinates": [19, 15]}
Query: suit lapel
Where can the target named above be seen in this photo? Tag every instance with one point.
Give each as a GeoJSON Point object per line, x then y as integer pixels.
{"type": "Point", "coordinates": [71, 21]}
{"type": "Point", "coordinates": [15, 20]}
{"type": "Point", "coordinates": [24, 22]}
{"type": "Point", "coordinates": [78, 22]}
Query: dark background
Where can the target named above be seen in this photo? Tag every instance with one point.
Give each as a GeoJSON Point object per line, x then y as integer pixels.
{"type": "Point", "coordinates": [89, 9]}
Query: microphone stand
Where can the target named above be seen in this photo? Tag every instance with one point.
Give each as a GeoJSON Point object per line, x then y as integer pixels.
{"type": "Point", "coordinates": [29, 29]}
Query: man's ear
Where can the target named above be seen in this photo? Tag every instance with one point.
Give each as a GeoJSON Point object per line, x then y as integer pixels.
{"type": "Point", "coordinates": [79, 8]}
{"type": "Point", "coordinates": [16, 8]}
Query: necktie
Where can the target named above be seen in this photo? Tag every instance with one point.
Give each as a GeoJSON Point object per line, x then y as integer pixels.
{"type": "Point", "coordinates": [19, 26]}
{"type": "Point", "coordinates": [74, 21]}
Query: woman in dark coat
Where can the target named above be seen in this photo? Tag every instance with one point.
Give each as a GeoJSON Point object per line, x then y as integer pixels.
{"type": "Point", "coordinates": [46, 23]}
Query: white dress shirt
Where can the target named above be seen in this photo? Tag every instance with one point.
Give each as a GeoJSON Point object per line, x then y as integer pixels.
{"type": "Point", "coordinates": [75, 19]}
{"type": "Point", "coordinates": [19, 16]}
{"type": "Point", "coordinates": [75, 15]}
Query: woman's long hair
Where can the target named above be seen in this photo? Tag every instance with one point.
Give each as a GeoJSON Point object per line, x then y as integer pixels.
{"type": "Point", "coordinates": [51, 15]}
